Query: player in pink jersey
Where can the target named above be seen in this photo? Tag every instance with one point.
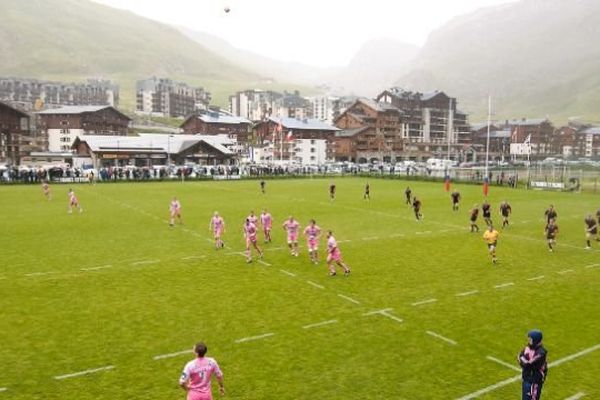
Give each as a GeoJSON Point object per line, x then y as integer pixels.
{"type": "Point", "coordinates": [217, 224]}
{"type": "Point", "coordinates": [175, 209]}
{"type": "Point", "coordinates": [313, 233]}
{"type": "Point", "coordinates": [334, 255]}
{"type": "Point", "coordinates": [196, 376]}
{"type": "Point", "coordinates": [46, 189]}
{"type": "Point", "coordinates": [250, 232]}
{"type": "Point", "coordinates": [292, 227]}
{"type": "Point", "coordinates": [73, 202]}
{"type": "Point", "coordinates": [267, 223]}
{"type": "Point", "coordinates": [253, 218]}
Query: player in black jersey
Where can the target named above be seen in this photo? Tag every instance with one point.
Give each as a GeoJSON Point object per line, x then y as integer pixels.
{"type": "Point", "coordinates": [505, 211]}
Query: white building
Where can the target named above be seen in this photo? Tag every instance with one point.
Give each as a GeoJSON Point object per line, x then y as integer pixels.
{"type": "Point", "coordinates": [324, 108]}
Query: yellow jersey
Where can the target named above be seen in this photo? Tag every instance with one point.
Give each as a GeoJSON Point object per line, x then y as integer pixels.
{"type": "Point", "coordinates": [491, 236]}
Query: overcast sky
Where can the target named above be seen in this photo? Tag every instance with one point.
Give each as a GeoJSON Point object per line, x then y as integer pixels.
{"type": "Point", "coordinates": [317, 32]}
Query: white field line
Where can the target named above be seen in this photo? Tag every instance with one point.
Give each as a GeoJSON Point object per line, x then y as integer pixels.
{"type": "Point", "coordinates": [420, 303]}
{"type": "Point", "coordinates": [508, 381]}
{"type": "Point", "coordinates": [377, 312]}
{"type": "Point", "coordinates": [145, 262]}
{"type": "Point", "coordinates": [370, 238]}
{"type": "Point", "coordinates": [86, 372]}
{"type": "Point", "coordinates": [504, 285]}
{"type": "Point", "coordinates": [3, 389]}
{"type": "Point", "coordinates": [350, 299]}
{"type": "Point", "coordinates": [344, 241]}
{"type": "Point", "coordinates": [566, 271]}
{"type": "Point", "coordinates": [445, 339]}
{"type": "Point", "coordinates": [504, 363]}
{"type": "Point", "coordinates": [315, 285]}
{"type": "Point", "coordinates": [576, 396]}
{"type": "Point", "coordinates": [264, 262]}
{"type": "Point", "coordinates": [329, 322]}
{"type": "Point", "coordinates": [397, 235]}
{"type": "Point", "coordinates": [288, 273]}
{"type": "Point", "coordinates": [535, 278]}
{"type": "Point", "coordinates": [472, 292]}
{"type": "Point", "coordinates": [97, 268]}
{"type": "Point", "coordinates": [250, 338]}
{"type": "Point", "coordinates": [390, 316]}
{"type": "Point", "coordinates": [40, 273]}
{"type": "Point", "coordinates": [170, 355]}
{"type": "Point", "coordinates": [192, 257]}
{"type": "Point", "coordinates": [423, 233]}
{"type": "Point", "coordinates": [592, 266]}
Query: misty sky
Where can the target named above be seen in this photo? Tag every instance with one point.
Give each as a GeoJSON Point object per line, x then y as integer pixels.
{"type": "Point", "coordinates": [317, 32]}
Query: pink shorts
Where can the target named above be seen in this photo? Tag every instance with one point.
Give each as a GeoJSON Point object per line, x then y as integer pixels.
{"type": "Point", "coordinates": [336, 255]}
{"type": "Point", "coordinates": [267, 228]}
{"type": "Point", "coordinates": [250, 240]}
{"type": "Point", "coordinates": [74, 202]}
{"type": "Point", "coordinates": [218, 232]}
{"type": "Point", "coordinates": [312, 244]}
{"type": "Point", "coordinates": [175, 213]}
{"type": "Point", "coordinates": [292, 238]}
{"type": "Point", "coordinates": [191, 395]}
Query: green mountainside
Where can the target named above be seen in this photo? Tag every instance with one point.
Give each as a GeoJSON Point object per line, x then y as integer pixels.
{"type": "Point", "coordinates": [77, 39]}
{"type": "Point", "coordinates": [536, 58]}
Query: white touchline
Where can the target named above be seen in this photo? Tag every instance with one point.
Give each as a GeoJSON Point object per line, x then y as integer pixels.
{"type": "Point", "coordinates": [247, 339]}
{"type": "Point", "coordinates": [145, 262]}
{"type": "Point", "coordinates": [420, 303]}
{"type": "Point", "coordinates": [177, 353]}
{"type": "Point", "coordinates": [535, 278]}
{"type": "Point", "coordinates": [40, 273]}
{"type": "Point", "coordinates": [576, 396]}
{"type": "Point", "coordinates": [445, 339]}
{"type": "Point", "coordinates": [287, 272]}
{"type": "Point", "coordinates": [97, 268]}
{"type": "Point", "coordinates": [508, 381]}
{"type": "Point", "coordinates": [592, 265]}
{"type": "Point", "coordinates": [264, 263]}
{"type": "Point", "coordinates": [86, 372]}
{"type": "Point", "coordinates": [504, 285]}
{"type": "Point", "coordinates": [350, 299]}
{"type": "Point", "coordinates": [566, 271]}
{"type": "Point", "coordinates": [331, 321]}
{"type": "Point", "coordinates": [315, 285]}
{"type": "Point", "coordinates": [467, 293]}
{"type": "Point", "coordinates": [504, 363]}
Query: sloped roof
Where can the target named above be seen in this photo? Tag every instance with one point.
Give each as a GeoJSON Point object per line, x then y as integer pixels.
{"type": "Point", "coordinates": [595, 130]}
{"type": "Point", "coordinates": [66, 110]}
{"type": "Point", "coordinates": [223, 119]}
{"type": "Point", "coordinates": [378, 106]}
{"type": "Point", "coordinates": [154, 143]}
{"type": "Point", "coordinates": [304, 124]}
{"type": "Point", "coordinates": [22, 113]}
{"type": "Point", "coordinates": [527, 122]}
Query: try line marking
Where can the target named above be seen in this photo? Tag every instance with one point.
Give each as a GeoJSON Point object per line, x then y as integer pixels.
{"type": "Point", "coordinates": [445, 339]}
{"type": "Point", "coordinates": [576, 396]}
{"type": "Point", "coordinates": [503, 363]}
{"type": "Point", "coordinates": [467, 293]}
{"type": "Point", "coordinates": [386, 313]}
{"type": "Point", "coordinates": [315, 285]}
{"type": "Point", "coordinates": [419, 303]}
{"type": "Point", "coordinates": [178, 353]}
{"type": "Point", "coordinates": [504, 285]}
{"type": "Point", "coordinates": [86, 372]}
{"type": "Point", "coordinates": [508, 381]}
{"type": "Point", "coordinates": [283, 271]}
{"type": "Point", "coordinates": [535, 278]}
{"type": "Point", "coordinates": [331, 321]}
{"type": "Point", "coordinates": [250, 338]}
{"type": "Point", "coordinates": [350, 299]}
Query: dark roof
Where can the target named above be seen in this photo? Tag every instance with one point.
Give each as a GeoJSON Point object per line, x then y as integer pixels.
{"type": "Point", "coordinates": [22, 113]}
{"type": "Point", "coordinates": [378, 106]}
{"type": "Point", "coordinates": [66, 110]}
{"type": "Point", "coordinates": [527, 122]}
{"type": "Point", "coordinates": [595, 130]}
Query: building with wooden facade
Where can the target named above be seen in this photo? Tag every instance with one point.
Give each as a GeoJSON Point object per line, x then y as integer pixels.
{"type": "Point", "coordinates": [62, 125]}
{"type": "Point", "coordinates": [15, 134]}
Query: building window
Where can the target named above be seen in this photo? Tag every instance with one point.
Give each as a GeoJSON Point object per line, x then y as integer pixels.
{"type": "Point", "coordinates": [312, 149]}
{"type": "Point", "coordinates": [64, 123]}
{"type": "Point", "coordinates": [312, 141]}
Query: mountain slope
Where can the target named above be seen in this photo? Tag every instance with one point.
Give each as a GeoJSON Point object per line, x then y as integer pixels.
{"type": "Point", "coordinates": [535, 57]}
{"type": "Point", "coordinates": [75, 39]}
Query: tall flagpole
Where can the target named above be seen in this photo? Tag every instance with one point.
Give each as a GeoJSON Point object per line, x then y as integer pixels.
{"type": "Point", "coordinates": [280, 143]}
{"type": "Point", "coordinates": [449, 125]}
{"type": "Point", "coordinates": [487, 142]}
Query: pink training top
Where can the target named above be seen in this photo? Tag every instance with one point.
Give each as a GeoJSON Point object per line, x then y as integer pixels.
{"type": "Point", "coordinates": [266, 220]}
{"type": "Point", "coordinates": [253, 219]}
{"type": "Point", "coordinates": [72, 197]}
{"type": "Point", "coordinates": [175, 205]}
{"type": "Point", "coordinates": [217, 223]}
{"type": "Point", "coordinates": [331, 244]}
{"type": "Point", "coordinates": [312, 232]}
{"type": "Point", "coordinates": [250, 231]}
{"type": "Point", "coordinates": [198, 372]}
{"type": "Point", "coordinates": [291, 227]}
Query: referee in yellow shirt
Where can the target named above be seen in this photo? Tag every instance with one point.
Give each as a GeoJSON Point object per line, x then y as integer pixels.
{"type": "Point", "coordinates": [491, 238]}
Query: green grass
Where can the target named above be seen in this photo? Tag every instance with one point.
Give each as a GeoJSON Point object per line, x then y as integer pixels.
{"type": "Point", "coordinates": [69, 320]}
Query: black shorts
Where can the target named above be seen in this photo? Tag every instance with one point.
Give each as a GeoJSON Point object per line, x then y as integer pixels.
{"type": "Point", "coordinates": [487, 215]}
{"type": "Point", "coordinates": [473, 220]}
{"type": "Point", "coordinates": [492, 244]}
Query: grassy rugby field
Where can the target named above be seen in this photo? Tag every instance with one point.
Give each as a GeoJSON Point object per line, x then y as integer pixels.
{"type": "Point", "coordinates": [118, 296]}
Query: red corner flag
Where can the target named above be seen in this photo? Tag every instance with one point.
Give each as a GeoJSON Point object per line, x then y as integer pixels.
{"type": "Point", "coordinates": [486, 186]}
{"type": "Point", "coordinates": [447, 183]}
{"type": "Point", "coordinates": [289, 136]}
